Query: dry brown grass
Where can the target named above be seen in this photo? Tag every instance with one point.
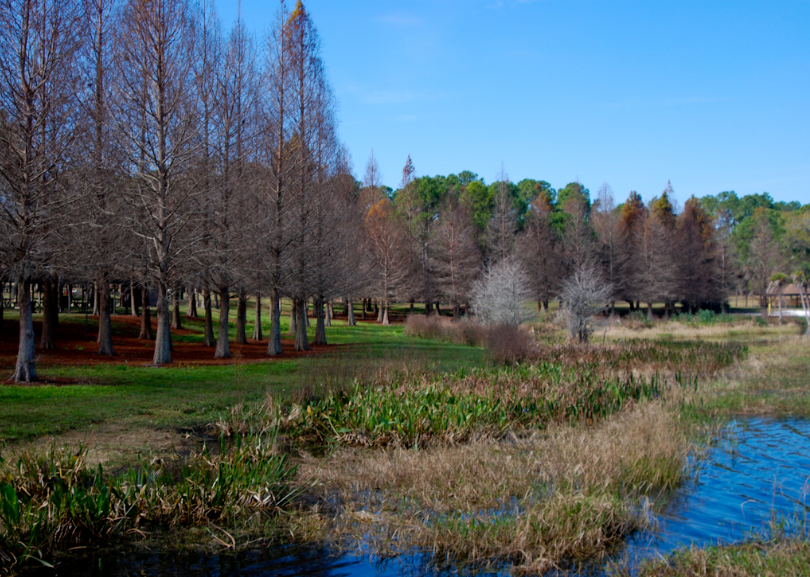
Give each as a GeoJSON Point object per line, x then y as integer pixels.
{"type": "Point", "coordinates": [784, 557]}
{"type": "Point", "coordinates": [629, 329]}
{"type": "Point", "coordinates": [571, 492]}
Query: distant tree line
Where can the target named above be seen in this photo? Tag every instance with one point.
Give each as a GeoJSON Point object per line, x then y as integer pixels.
{"type": "Point", "coordinates": [450, 229]}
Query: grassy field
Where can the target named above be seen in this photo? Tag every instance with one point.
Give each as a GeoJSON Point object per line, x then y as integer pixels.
{"type": "Point", "coordinates": [392, 439]}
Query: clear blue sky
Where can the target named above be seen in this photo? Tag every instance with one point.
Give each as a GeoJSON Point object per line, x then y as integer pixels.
{"type": "Point", "coordinates": [712, 95]}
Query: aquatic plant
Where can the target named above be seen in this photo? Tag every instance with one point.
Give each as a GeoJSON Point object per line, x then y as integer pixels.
{"type": "Point", "coordinates": [56, 501]}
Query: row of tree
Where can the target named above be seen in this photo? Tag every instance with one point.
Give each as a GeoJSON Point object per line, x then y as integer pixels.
{"type": "Point", "coordinates": [142, 144]}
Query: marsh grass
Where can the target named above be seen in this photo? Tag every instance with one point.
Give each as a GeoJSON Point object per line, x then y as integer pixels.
{"type": "Point", "coordinates": [565, 383]}
{"type": "Point", "coordinates": [772, 380]}
{"type": "Point", "coordinates": [55, 502]}
{"type": "Point", "coordinates": [567, 493]}
{"type": "Point", "coordinates": [779, 556]}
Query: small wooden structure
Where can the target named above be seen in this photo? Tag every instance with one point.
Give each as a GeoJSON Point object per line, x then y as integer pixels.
{"type": "Point", "coordinates": [789, 291]}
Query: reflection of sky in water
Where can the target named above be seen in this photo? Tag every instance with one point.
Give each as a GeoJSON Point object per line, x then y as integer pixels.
{"type": "Point", "coordinates": [763, 466]}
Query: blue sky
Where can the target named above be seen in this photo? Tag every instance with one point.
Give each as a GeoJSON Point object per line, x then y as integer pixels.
{"type": "Point", "coordinates": [712, 95]}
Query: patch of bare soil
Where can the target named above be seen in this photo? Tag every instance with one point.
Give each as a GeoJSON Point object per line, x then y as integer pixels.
{"type": "Point", "coordinates": [113, 444]}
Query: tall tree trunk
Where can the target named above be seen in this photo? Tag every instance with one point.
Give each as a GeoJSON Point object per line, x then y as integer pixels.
{"type": "Point", "coordinates": [177, 322]}
{"type": "Point", "coordinates": [208, 338]}
{"type": "Point", "coordinates": [293, 328]}
{"type": "Point", "coordinates": [380, 312]}
{"type": "Point", "coordinates": [192, 304]}
{"type": "Point", "coordinates": [105, 344]}
{"type": "Point", "coordinates": [649, 311]}
{"type": "Point", "coordinates": [133, 298]}
{"type": "Point", "coordinates": [320, 322]}
{"type": "Point", "coordinates": [257, 322]}
{"type": "Point", "coordinates": [223, 351]}
{"type": "Point", "coordinates": [25, 371]}
{"type": "Point", "coordinates": [163, 340]}
{"type": "Point", "coordinates": [413, 305]}
{"type": "Point", "coordinates": [95, 301]}
{"type": "Point", "coordinates": [328, 320]}
{"type": "Point", "coordinates": [274, 342]}
{"type": "Point", "coordinates": [50, 314]}
{"type": "Point", "coordinates": [457, 311]}
{"type": "Point", "coordinates": [241, 318]}
{"type": "Point", "coordinates": [384, 311]}
{"type": "Point", "coordinates": [301, 339]}
{"type": "Point", "coordinates": [350, 312]}
{"type": "Point", "coordinates": [363, 310]}
{"type": "Point", "coordinates": [146, 318]}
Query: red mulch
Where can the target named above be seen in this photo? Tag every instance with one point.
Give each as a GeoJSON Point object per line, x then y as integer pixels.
{"type": "Point", "coordinates": [73, 349]}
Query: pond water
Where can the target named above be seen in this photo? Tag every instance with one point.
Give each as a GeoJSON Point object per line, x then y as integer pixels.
{"type": "Point", "coordinates": [760, 470]}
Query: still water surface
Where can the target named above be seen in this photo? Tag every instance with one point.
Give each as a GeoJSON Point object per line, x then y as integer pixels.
{"type": "Point", "coordinates": [759, 470]}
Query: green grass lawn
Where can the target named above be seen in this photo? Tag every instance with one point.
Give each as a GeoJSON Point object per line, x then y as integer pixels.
{"type": "Point", "coordinates": [189, 396]}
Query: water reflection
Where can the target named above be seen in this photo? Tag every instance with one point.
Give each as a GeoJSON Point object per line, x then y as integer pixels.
{"type": "Point", "coordinates": [759, 473]}
{"type": "Point", "coordinates": [761, 468]}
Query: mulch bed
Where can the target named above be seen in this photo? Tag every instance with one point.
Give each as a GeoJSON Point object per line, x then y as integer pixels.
{"type": "Point", "coordinates": [74, 349]}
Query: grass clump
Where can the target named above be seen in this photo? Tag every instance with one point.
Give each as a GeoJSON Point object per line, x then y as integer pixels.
{"type": "Point", "coordinates": [53, 502]}
{"type": "Point", "coordinates": [785, 557]}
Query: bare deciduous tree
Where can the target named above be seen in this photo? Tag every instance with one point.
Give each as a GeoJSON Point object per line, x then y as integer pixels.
{"type": "Point", "coordinates": [157, 85]}
{"type": "Point", "coordinates": [584, 294]}
{"type": "Point", "coordinates": [501, 294]}
{"type": "Point", "coordinates": [40, 87]}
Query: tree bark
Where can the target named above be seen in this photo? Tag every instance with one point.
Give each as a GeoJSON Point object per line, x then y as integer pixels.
{"type": "Point", "coordinates": [95, 301]}
{"type": "Point", "coordinates": [384, 311]}
{"type": "Point", "coordinates": [257, 323]}
{"type": "Point", "coordinates": [25, 371]}
{"type": "Point", "coordinates": [133, 299]}
{"type": "Point", "coordinates": [301, 339]}
{"type": "Point", "coordinates": [105, 344]}
{"type": "Point", "coordinates": [192, 304]}
{"type": "Point", "coordinates": [177, 322]}
{"type": "Point", "coordinates": [146, 320]}
{"type": "Point", "coordinates": [223, 351]}
{"type": "Point", "coordinates": [380, 312]}
{"type": "Point", "coordinates": [208, 338]}
{"type": "Point", "coordinates": [50, 314]}
{"type": "Point", "coordinates": [363, 310]}
{"type": "Point", "coordinates": [241, 319]}
{"type": "Point", "coordinates": [328, 320]}
{"type": "Point", "coordinates": [163, 340]}
{"type": "Point", "coordinates": [274, 342]}
{"type": "Point", "coordinates": [320, 323]}
{"type": "Point", "coordinates": [350, 312]}
{"type": "Point", "coordinates": [293, 328]}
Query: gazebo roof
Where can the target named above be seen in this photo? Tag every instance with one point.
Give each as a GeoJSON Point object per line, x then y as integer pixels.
{"type": "Point", "coordinates": [789, 290]}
